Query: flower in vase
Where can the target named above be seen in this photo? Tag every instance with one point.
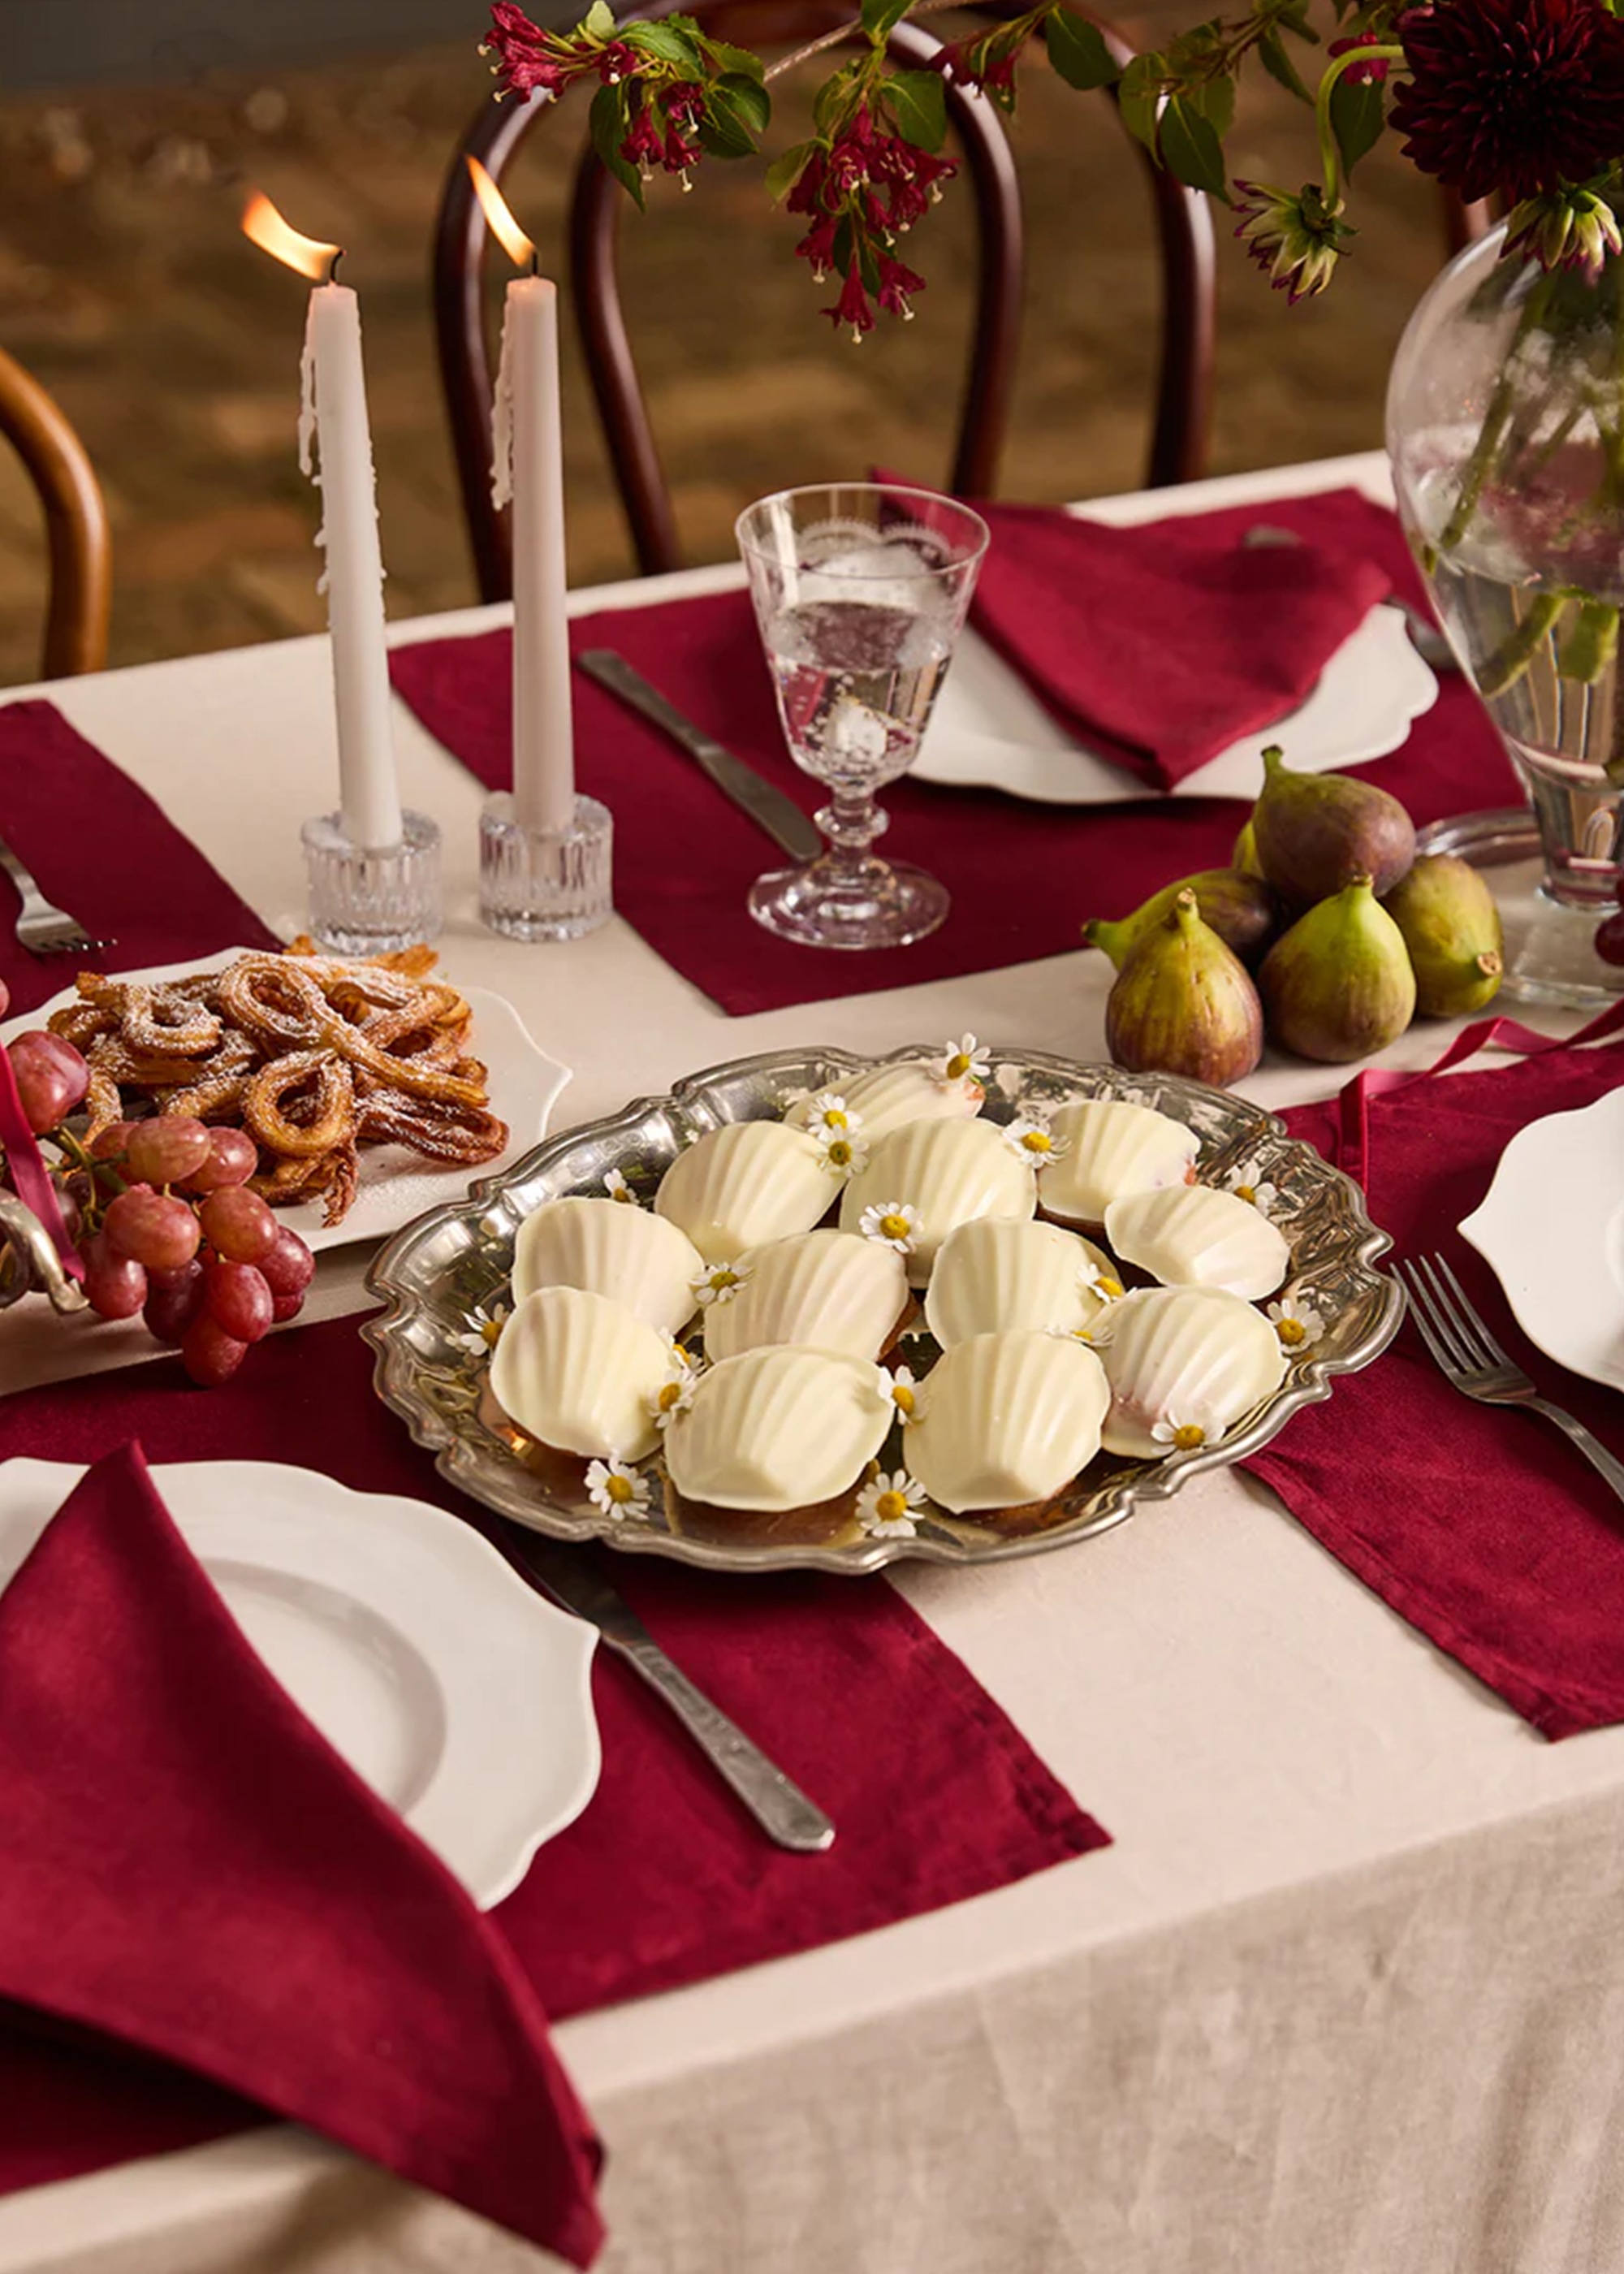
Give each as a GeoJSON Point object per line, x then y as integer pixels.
{"type": "Point", "coordinates": [1292, 235]}
{"type": "Point", "coordinates": [1565, 229]}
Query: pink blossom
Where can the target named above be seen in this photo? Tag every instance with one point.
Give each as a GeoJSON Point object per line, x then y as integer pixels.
{"type": "Point", "coordinates": [852, 307]}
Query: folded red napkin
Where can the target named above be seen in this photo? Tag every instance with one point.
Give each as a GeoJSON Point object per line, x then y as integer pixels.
{"type": "Point", "coordinates": [189, 1867]}
{"type": "Point", "coordinates": [1023, 877]}
{"type": "Point", "coordinates": [664, 1880]}
{"type": "Point", "coordinates": [100, 848]}
{"type": "Point", "coordinates": [1476, 1524]}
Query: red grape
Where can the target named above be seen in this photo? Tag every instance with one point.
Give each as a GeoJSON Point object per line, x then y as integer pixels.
{"type": "Point", "coordinates": [210, 1355]}
{"type": "Point", "coordinates": [232, 1158]}
{"type": "Point", "coordinates": [51, 1079]}
{"type": "Point", "coordinates": [173, 1301]}
{"type": "Point", "coordinates": [166, 1150]}
{"type": "Point", "coordinates": [1610, 938]}
{"type": "Point", "coordinates": [108, 1145]}
{"type": "Point", "coordinates": [289, 1267]}
{"type": "Point", "coordinates": [144, 1225]}
{"type": "Point", "coordinates": [238, 1299]}
{"type": "Point", "coordinates": [114, 1285]}
{"type": "Point", "coordinates": [238, 1223]}
{"type": "Point", "coordinates": [285, 1307]}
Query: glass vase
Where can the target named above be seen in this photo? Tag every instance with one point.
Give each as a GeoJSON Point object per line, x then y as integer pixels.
{"type": "Point", "coordinates": [1505, 434]}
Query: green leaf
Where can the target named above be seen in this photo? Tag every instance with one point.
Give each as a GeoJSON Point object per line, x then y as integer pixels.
{"type": "Point", "coordinates": [735, 110]}
{"type": "Point", "coordinates": [599, 20]}
{"type": "Point", "coordinates": [609, 121]}
{"type": "Point", "coordinates": [785, 171]}
{"type": "Point", "coordinates": [919, 105]}
{"type": "Point", "coordinates": [844, 247]}
{"type": "Point", "coordinates": [1077, 49]}
{"type": "Point", "coordinates": [666, 42]}
{"type": "Point", "coordinates": [1279, 65]}
{"type": "Point", "coordinates": [1357, 118]}
{"type": "Point", "coordinates": [748, 97]}
{"type": "Point", "coordinates": [1215, 99]}
{"type": "Point", "coordinates": [1192, 150]}
{"type": "Point", "coordinates": [735, 62]}
{"type": "Point", "coordinates": [830, 99]}
{"type": "Point", "coordinates": [880, 16]}
{"type": "Point", "coordinates": [1139, 97]}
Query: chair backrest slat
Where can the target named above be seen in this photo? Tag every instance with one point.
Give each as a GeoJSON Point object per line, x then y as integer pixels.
{"type": "Point", "coordinates": [76, 525]}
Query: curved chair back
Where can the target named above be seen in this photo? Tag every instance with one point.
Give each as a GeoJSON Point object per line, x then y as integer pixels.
{"type": "Point", "coordinates": [76, 527]}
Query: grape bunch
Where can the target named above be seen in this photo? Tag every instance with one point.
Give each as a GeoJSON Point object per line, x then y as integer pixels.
{"type": "Point", "coordinates": [162, 1218]}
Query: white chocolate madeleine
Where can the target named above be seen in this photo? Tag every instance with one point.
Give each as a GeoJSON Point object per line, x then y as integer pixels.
{"type": "Point", "coordinates": [745, 1184]}
{"type": "Point", "coordinates": [942, 1174]}
{"type": "Point", "coordinates": [1190, 1236]}
{"type": "Point", "coordinates": [609, 1248]}
{"type": "Point", "coordinates": [828, 1289]}
{"type": "Point", "coordinates": [1184, 1364]}
{"type": "Point", "coordinates": [581, 1373]}
{"type": "Point", "coordinates": [779, 1427]}
{"type": "Point", "coordinates": [1006, 1419]}
{"type": "Point", "coordinates": [997, 1274]}
{"type": "Point", "coordinates": [1112, 1147]}
{"type": "Point", "coordinates": [888, 1098]}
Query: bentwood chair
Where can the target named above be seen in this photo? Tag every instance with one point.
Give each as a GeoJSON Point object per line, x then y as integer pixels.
{"type": "Point", "coordinates": [1184, 232]}
{"type": "Point", "coordinates": [80, 550]}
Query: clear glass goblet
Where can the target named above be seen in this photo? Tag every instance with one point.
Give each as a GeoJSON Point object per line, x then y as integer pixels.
{"type": "Point", "coordinates": [860, 591]}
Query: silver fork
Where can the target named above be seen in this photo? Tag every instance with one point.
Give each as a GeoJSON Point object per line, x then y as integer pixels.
{"type": "Point", "coordinates": [1474, 1362]}
{"type": "Point", "coordinates": [43, 929]}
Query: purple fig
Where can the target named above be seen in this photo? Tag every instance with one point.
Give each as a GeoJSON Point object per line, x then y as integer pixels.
{"type": "Point", "coordinates": [1316, 832]}
{"type": "Point", "coordinates": [1245, 856]}
{"type": "Point", "coordinates": [1338, 985]}
{"type": "Point", "coordinates": [1452, 929]}
{"type": "Point", "coordinates": [1182, 1003]}
{"type": "Point", "coordinates": [1240, 910]}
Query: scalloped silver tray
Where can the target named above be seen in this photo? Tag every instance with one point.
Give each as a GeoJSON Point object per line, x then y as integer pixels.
{"type": "Point", "coordinates": [442, 1275]}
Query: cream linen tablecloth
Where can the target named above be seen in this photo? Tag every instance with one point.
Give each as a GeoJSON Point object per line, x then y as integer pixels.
{"type": "Point", "coordinates": [1346, 1997]}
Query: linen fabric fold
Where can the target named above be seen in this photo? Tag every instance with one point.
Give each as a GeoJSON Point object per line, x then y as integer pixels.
{"type": "Point", "coordinates": [187, 1865]}
{"type": "Point", "coordinates": [1475, 1524]}
{"type": "Point", "coordinates": [1023, 877]}
{"type": "Point", "coordinates": [100, 848]}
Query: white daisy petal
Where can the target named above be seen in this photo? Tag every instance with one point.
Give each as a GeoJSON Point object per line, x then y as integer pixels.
{"type": "Point", "coordinates": [886, 1505]}
{"type": "Point", "coordinates": [616, 1490]}
{"type": "Point", "coordinates": [894, 1224]}
{"type": "Point", "coordinates": [1297, 1323]}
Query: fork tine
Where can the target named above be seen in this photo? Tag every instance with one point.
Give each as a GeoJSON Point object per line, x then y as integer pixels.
{"type": "Point", "coordinates": [1440, 1356]}
{"type": "Point", "coordinates": [1443, 1309]}
{"type": "Point", "coordinates": [1462, 1318]}
{"type": "Point", "coordinates": [1473, 1318]}
{"type": "Point", "coordinates": [1430, 1306]}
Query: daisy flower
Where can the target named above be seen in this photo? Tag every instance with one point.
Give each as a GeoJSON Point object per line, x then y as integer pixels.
{"type": "Point", "coordinates": [886, 1505]}
{"type": "Point", "coordinates": [902, 1390]}
{"type": "Point", "coordinates": [1243, 1183]}
{"type": "Point", "coordinates": [717, 1283]}
{"type": "Point", "coordinates": [1033, 1142]}
{"type": "Point", "coordinates": [483, 1332]}
{"type": "Point", "coordinates": [1181, 1433]}
{"type": "Point", "coordinates": [617, 1189]}
{"type": "Point", "coordinates": [1297, 1323]}
{"type": "Point", "coordinates": [828, 1111]}
{"type": "Point", "coordinates": [895, 1224]}
{"type": "Point", "coordinates": [1096, 1282]}
{"type": "Point", "coordinates": [617, 1490]}
{"type": "Point", "coordinates": [839, 1151]}
{"type": "Point", "coordinates": [959, 1062]}
{"type": "Point", "coordinates": [675, 1394]}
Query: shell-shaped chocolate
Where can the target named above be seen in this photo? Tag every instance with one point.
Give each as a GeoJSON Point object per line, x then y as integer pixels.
{"type": "Point", "coordinates": [609, 1248]}
{"type": "Point", "coordinates": [1112, 1148]}
{"type": "Point", "coordinates": [1191, 1236]}
{"type": "Point", "coordinates": [888, 1098]}
{"type": "Point", "coordinates": [998, 1274]}
{"type": "Point", "coordinates": [779, 1427]}
{"type": "Point", "coordinates": [1184, 1357]}
{"type": "Point", "coordinates": [827, 1290]}
{"type": "Point", "coordinates": [579, 1372]}
{"type": "Point", "coordinates": [743, 1185]}
{"type": "Point", "coordinates": [1005, 1419]}
{"type": "Point", "coordinates": [950, 1172]}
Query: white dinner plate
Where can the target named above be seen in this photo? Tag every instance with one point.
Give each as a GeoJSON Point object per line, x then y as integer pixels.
{"type": "Point", "coordinates": [989, 731]}
{"type": "Point", "coordinates": [396, 1184]}
{"type": "Point", "coordinates": [1551, 1230]}
{"type": "Point", "coordinates": [458, 1692]}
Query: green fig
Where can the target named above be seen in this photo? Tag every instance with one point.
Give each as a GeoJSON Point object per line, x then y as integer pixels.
{"type": "Point", "coordinates": [1338, 985]}
{"type": "Point", "coordinates": [1316, 832]}
{"type": "Point", "coordinates": [1452, 929]}
{"type": "Point", "coordinates": [1245, 856]}
{"type": "Point", "coordinates": [1182, 1003]}
{"type": "Point", "coordinates": [1240, 910]}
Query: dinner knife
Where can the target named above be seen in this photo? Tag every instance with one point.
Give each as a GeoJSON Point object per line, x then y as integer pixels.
{"type": "Point", "coordinates": [780, 1807]}
{"type": "Point", "coordinates": [767, 806]}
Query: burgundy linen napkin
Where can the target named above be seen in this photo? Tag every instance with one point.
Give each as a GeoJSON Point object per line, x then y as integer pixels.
{"type": "Point", "coordinates": [100, 848]}
{"type": "Point", "coordinates": [1023, 877]}
{"type": "Point", "coordinates": [664, 1880]}
{"type": "Point", "coordinates": [189, 1866]}
{"type": "Point", "coordinates": [1475, 1524]}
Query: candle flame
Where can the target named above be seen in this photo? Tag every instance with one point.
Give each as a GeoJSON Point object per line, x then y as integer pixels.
{"type": "Point", "coordinates": [271, 233]}
{"type": "Point", "coordinates": [512, 238]}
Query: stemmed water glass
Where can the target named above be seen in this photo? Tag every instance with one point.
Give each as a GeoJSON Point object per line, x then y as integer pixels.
{"type": "Point", "coordinates": [860, 590]}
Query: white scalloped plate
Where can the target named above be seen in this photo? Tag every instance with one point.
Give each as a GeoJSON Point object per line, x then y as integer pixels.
{"type": "Point", "coordinates": [989, 731]}
{"type": "Point", "coordinates": [1551, 1231]}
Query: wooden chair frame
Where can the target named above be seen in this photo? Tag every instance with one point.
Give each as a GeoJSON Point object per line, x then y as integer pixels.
{"type": "Point", "coordinates": [76, 525]}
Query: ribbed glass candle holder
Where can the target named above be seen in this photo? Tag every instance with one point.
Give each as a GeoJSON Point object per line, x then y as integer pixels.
{"type": "Point", "coordinates": [539, 883]}
{"type": "Point", "coordinates": [368, 902]}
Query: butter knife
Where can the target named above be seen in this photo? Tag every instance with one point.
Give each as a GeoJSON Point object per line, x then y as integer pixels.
{"type": "Point", "coordinates": [767, 806]}
{"type": "Point", "coordinates": [782, 1810]}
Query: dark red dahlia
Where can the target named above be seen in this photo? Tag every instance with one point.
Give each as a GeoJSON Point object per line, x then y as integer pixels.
{"type": "Point", "coordinates": [1513, 95]}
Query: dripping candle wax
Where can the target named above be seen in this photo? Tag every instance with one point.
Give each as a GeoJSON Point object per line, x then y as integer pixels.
{"type": "Point", "coordinates": [333, 415]}
{"type": "Point", "coordinates": [527, 472]}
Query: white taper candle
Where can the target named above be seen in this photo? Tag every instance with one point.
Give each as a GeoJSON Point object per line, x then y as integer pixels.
{"type": "Point", "coordinates": [529, 469]}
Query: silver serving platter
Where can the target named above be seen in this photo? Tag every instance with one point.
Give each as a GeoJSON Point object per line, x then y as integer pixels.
{"type": "Point", "coordinates": [443, 1275]}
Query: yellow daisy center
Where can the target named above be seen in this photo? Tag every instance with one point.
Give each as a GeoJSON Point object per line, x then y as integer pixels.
{"type": "Point", "coordinates": [1247, 1192]}
{"type": "Point", "coordinates": [1037, 1141]}
{"type": "Point", "coordinates": [670, 1396]}
{"type": "Point", "coordinates": [1187, 1438]}
{"type": "Point", "coordinates": [902, 1397]}
{"type": "Point", "coordinates": [833, 1119]}
{"type": "Point", "coordinates": [490, 1331]}
{"type": "Point", "coordinates": [840, 1153]}
{"type": "Point", "coordinates": [721, 1280]}
{"type": "Point", "coordinates": [957, 1067]}
{"type": "Point", "coordinates": [890, 1506]}
{"type": "Point", "coordinates": [1291, 1331]}
{"type": "Point", "coordinates": [620, 1489]}
{"type": "Point", "coordinates": [1106, 1285]}
{"type": "Point", "coordinates": [896, 1227]}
